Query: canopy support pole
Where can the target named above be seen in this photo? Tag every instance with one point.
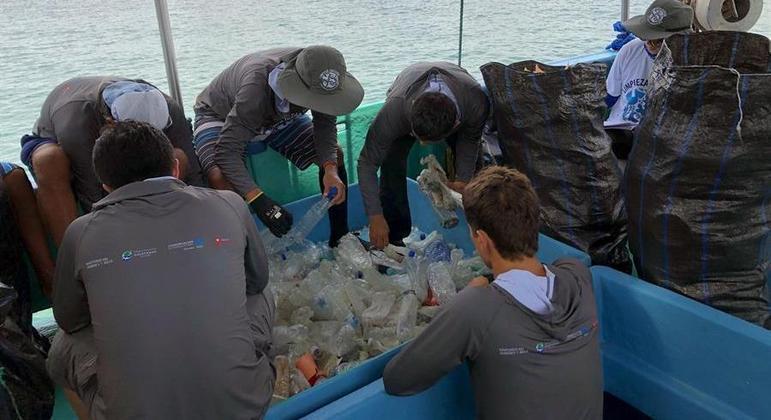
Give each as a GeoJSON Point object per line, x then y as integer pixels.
{"type": "Point", "coordinates": [460, 34]}
{"type": "Point", "coordinates": [167, 42]}
{"type": "Point", "coordinates": [624, 10]}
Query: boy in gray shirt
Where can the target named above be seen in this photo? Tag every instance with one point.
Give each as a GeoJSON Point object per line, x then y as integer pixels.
{"type": "Point", "coordinates": [160, 294]}
{"type": "Point", "coordinates": [530, 337]}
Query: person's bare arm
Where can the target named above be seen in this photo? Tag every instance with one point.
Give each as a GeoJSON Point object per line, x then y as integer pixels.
{"type": "Point", "coordinates": [31, 227]}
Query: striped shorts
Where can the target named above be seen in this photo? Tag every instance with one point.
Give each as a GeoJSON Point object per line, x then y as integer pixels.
{"type": "Point", "coordinates": [292, 139]}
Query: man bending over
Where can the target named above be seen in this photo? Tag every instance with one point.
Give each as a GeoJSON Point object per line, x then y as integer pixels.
{"type": "Point", "coordinates": [160, 294]}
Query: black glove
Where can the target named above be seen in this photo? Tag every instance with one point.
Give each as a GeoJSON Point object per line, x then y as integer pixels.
{"type": "Point", "coordinates": [275, 217]}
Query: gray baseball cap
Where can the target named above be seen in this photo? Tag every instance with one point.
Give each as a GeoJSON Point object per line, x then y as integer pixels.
{"type": "Point", "coordinates": [662, 19]}
{"type": "Point", "coordinates": [317, 79]}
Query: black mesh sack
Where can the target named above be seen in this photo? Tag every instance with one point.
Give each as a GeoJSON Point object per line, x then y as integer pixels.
{"type": "Point", "coordinates": [550, 127]}
{"type": "Point", "coordinates": [698, 180]}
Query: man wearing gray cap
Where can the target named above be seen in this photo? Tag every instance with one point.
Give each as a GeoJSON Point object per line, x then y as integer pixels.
{"type": "Point", "coordinates": [261, 100]}
{"type": "Point", "coordinates": [627, 82]}
{"type": "Point", "coordinates": [73, 115]}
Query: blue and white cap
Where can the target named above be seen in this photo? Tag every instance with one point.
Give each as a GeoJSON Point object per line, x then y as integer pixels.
{"type": "Point", "coordinates": [136, 101]}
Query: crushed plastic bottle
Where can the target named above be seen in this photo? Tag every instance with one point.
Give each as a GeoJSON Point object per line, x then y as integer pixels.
{"type": "Point", "coordinates": [299, 383]}
{"type": "Point", "coordinates": [331, 304]}
{"type": "Point", "coordinates": [441, 283]}
{"type": "Point", "coordinates": [345, 367]}
{"type": "Point", "coordinates": [421, 244]}
{"type": "Point", "coordinates": [377, 313]}
{"type": "Point", "coordinates": [444, 201]}
{"type": "Point", "coordinates": [414, 236]}
{"type": "Point", "coordinates": [284, 337]}
{"type": "Point", "coordinates": [386, 258]}
{"type": "Point", "coordinates": [282, 387]}
{"type": "Point", "coordinates": [326, 361]}
{"type": "Point", "coordinates": [350, 253]}
{"type": "Point", "coordinates": [288, 266]}
{"type": "Point", "coordinates": [436, 251]}
{"type": "Point", "coordinates": [406, 316]}
{"type": "Point", "coordinates": [301, 316]}
{"type": "Point", "coordinates": [461, 275]}
{"type": "Point", "coordinates": [344, 341]}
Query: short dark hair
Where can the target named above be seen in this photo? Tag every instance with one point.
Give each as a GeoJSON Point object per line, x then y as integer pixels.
{"type": "Point", "coordinates": [503, 203]}
{"type": "Point", "coordinates": [130, 151]}
{"type": "Point", "coordinates": [433, 116]}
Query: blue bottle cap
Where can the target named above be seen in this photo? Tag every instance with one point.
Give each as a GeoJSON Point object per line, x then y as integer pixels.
{"type": "Point", "coordinates": [412, 253]}
{"type": "Point", "coordinates": [422, 236]}
{"type": "Point", "coordinates": [332, 193]}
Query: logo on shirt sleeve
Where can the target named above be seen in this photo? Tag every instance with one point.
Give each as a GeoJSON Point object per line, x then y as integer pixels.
{"type": "Point", "coordinates": [130, 254]}
{"type": "Point", "coordinates": [195, 243]}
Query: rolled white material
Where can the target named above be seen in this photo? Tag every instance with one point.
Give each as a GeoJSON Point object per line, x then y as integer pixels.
{"type": "Point", "coordinates": [727, 15]}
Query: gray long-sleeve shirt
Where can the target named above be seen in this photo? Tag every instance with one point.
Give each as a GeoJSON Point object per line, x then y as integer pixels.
{"type": "Point", "coordinates": [523, 365]}
{"type": "Point", "coordinates": [74, 113]}
{"type": "Point", "coordinates": [161, 272]}
{"type": "Point", "coordinates": [243, 99]}
{"type": "Point", "coordinates": [393, 122]}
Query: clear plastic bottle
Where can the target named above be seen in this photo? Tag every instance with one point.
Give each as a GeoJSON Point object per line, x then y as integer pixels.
{"type": "Point", "coordinates": [304, 226]}
{"type": "Point", "coordinates": [440, 280]}
{"type": "Point", "coordinates": [351, 254]}
{"type": "Point", "coordinates": [284, 337]}
{"type": "Point", "coordinates": [421, 244]}
{"type": "Point", "coordinates": [312, 217]}
{"type": "Point", "coordinates": [407, 316]}
{"type": "Point", "coordinates": [437, 251]}
{"type": "Point", "coordinates": [414, 236]}
{"type": "Point", "coordinates": [331, 304]}
{"type": "Point", "coordinates": [377, 313]}
{"type": "Point", "coordinates": [282, 386]}
{"type": "Point", "coordinates": [345, 367]}
{"type": "Point", "coordinates": [343, 342]}
{"type": "Point", "coordinates": [416, 270]}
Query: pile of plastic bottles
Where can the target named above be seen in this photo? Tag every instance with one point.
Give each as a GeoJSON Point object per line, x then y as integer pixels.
{"type": "Point", "coordinates": [337, 308]}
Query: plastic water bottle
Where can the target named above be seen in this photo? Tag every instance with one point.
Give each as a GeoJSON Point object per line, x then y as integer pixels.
{"type": "Point", "coordinates": [424, 241]}
{"type": "Point", "coordinates": [314, 215]}
{"type": "Point", "coordinates": [416, 270]}
{"type": "Point", "coordinates": [377, 312]}
{"type": "Point", "coordinates": [440, 280]}
{"type": "Point", "coordinates": [437, 251]}
{"type": "Point", "coordinates": [304, 226]}
{"type": "Point", "coordinates": [407, 316]}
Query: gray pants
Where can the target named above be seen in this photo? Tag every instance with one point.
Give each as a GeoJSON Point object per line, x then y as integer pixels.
{"type": "Point", "coordinates": [72, 358]}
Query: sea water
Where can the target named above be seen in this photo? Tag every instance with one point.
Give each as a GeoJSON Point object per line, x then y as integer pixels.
{"type": "Point", "coordinates": [44, 42]}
